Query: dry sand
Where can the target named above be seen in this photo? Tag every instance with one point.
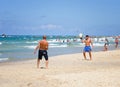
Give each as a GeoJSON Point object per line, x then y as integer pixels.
{"type": "Point", "coordinates": [64, 71]}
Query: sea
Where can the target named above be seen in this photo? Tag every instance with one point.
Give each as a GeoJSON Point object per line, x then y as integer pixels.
{"type": "Point", "coordinates": [21, 47]}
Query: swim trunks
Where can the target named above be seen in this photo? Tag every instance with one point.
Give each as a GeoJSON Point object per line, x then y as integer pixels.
{"type": "Point", "coordinates": [87, 49]}
{"type": "Point", "coordinates": [106, 43]}
{"type": "Point", "coordinates": [116, 42]}
{"type": "Point", "coordinates": [43, 53]}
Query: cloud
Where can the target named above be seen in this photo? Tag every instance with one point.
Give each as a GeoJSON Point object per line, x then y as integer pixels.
{"type": "Point", "coordinates": [43, 16]}
{"type": "Point", "coordinates": [50, 26]}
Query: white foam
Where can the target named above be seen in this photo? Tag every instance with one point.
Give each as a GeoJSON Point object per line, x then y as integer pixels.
{"type": "Point", "coordinates": [3, 59]}
{"type": "Point", "coordinates": [53, 41]}
{"type": "Point", "coordinates": [53, 44]}
{"type": "Point", "coordinates": [58, 46]}
{"type": "Point", "coordinates": [0, 43]}
{"type": "Point", "coordinates": [98, 44]}
{"type": "Point", "coordinates": [30, 47]}
{"type": "Point", "coordinates": [32, 42]}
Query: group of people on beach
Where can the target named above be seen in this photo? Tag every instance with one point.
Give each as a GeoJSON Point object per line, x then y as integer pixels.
{"type": "Point", "coordinates": [42, 48]}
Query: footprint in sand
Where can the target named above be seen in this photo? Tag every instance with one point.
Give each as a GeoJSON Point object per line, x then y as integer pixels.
{"type": "Point", "coordinates": [29, 84]}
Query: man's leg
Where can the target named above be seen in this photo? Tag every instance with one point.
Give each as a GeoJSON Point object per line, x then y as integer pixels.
{"type": "Point", "coordinates": [105, 48]}
{"type": "Point", "coordinates": [90, 55]}
{"type": "Point", "coordinates": [38, 63]}
{"type": "Point", "coordinates": [46, 58]}
{"type": "Point", "coordinates": [84, 54]}
{"type": "Point", "coordinates": [47, 64]}
{"type": "Point", "coordinates": [116, 45]}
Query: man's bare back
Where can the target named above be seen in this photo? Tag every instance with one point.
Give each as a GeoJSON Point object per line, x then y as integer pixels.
{"type": "Point", "coordinates": [43, 45]}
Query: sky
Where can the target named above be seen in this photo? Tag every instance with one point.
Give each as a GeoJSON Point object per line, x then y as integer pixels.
{"type": "Point", "coordinates": [60, 17]}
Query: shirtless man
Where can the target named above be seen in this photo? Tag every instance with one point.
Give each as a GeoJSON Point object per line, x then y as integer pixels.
{"type": "Point", "coordinates": [43, 47]}
{"type": "Point", "coordinates": [87, 47]}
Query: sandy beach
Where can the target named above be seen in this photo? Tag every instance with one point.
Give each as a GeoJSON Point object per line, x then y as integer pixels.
{"type": "Point", "coordinates": [69, 70]}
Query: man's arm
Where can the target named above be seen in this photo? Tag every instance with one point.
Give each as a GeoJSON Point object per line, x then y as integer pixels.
{"type": "Point", "coordinates": [91, 42]}
{"type": "Point", "coordinates": [37, 47]}
{"type": "Point", "coordinates": [47, 46]}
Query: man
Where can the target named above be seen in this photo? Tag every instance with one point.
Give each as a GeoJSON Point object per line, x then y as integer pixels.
{"type": "Point", "coordinates": [87, 47]}
{"type": "Point", "coordinates": [43, 47]}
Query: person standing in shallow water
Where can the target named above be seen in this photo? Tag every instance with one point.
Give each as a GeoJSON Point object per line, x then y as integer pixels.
{"type": "Point", "coordinates": [106, 44]}
{"type": "Point", "coordinates": [116, 42]}
{"type": "Point", "coordinates": [87, 47]}
{"type": "Point", "coordinates": [43, 47]}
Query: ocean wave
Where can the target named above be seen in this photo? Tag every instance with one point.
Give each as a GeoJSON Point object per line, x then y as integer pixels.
{"type": "Point", "coordinates": [50, 46]}
{"type": "Point", "coordinates": [54, 46]}
{"type": "Point", "coordinates": [3, 59]}
{"type": "Point", "coordinates": [31, 41]}
{"type": "Point", "coordinates": [30, 47]}
{"type": "Point", "coordinates": [98, 44]}
{"type": "Point", "coordinates": [53, 41]}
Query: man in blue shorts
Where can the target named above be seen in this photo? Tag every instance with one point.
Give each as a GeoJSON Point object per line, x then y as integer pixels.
{"type": "Point", "coordinates": [87, 47]}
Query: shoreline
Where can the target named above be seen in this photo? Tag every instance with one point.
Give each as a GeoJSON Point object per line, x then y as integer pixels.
{"type": "Point", "coordinates": [28, 55]}
{"type": "Point", "coordinates": [31, 59]}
